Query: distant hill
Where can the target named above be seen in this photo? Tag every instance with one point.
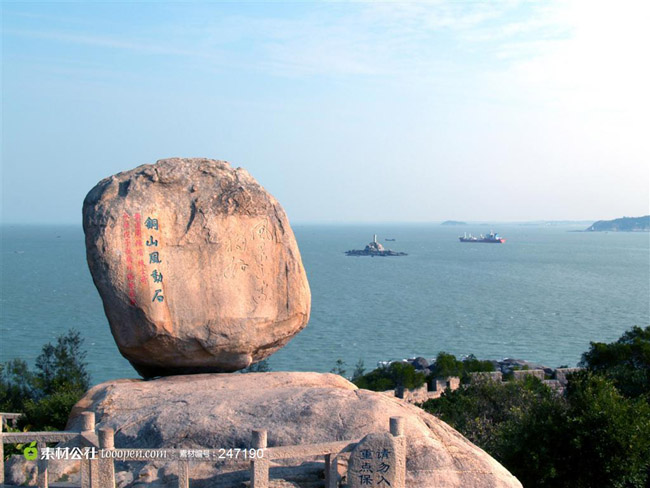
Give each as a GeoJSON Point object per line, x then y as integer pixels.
{"type": "Point", "coordinates": [624, 224]}
{"type": "Point", "coordinates": [453, 222]}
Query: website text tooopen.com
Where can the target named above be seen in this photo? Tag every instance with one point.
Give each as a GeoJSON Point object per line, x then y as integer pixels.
{"type": "Point", "coordinates": [94, 453]}
{"type": "Point", "coordinates": [133, 454]}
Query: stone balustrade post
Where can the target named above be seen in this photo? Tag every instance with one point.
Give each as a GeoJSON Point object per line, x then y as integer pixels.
{"type": "Point", "coordinates": [397, 430]}
{"type": "Point", "coordinates": [2, 452]}
{"type": "Point", "coordinates": [260, 466]}
{"type": "Point", "coordinates": [260, 439]}
{"type": "Point", "coordinates": [88, 422]}
{"type": "Point", "coordinates": [41, 464]}
{"type": "Point", "coordinates": [87, 426]}
{"type": "Point", "coordinates": [331, 471]}
{"type": "Point", "coordinates": [106, 437]}
{"type": "Point", "coordinates": [85, 472]}
{"type": "Point", "coordinates": [397, 426]}
{"type": "Point", "coordinates": [105, 464]}
{"type": "Point", "coordinates": [183, 473]}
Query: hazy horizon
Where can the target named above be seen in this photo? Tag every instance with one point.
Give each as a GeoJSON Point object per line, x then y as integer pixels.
{"type": "Point", "coordinates": [374, 222]}
{"type": "Point", "coordinates": [506, 111]}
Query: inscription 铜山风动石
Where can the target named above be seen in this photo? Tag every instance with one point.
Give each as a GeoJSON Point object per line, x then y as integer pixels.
{"type": "Point", "coordinates": [155, 257]}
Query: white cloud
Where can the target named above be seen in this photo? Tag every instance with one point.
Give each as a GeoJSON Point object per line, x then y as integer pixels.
{"type": "Point", "coordinates": [599, 67]}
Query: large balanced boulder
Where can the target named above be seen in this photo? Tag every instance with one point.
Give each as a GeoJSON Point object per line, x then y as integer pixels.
{"type": "Point", "coordinates": [220, 411]}
{"type": "Point", "coordinates": [197, 267]}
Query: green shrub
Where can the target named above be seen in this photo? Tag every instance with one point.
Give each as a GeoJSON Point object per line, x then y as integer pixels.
{"type": "Point", "coordinates": [390, 377]}
{"type": "Point", "coordinates": [447, 365]}
{"type": "Point", "coordinates": [51, 411]}
{"type": "Point", "coordinates": [598, 434]}
{"type": "Point", "coordinates": [262, 366]}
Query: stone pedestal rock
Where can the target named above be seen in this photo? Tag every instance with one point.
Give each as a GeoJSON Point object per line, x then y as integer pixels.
{"type": "Point", "coordinates": [221, 411]}
{"type": "Point", "coordinates": [197, 267]}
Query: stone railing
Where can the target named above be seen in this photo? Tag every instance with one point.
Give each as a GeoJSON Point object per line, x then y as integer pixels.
{"type": "Point", "coordinates": [430, 390]}
{"type": "Point", "coordinates": [41, 439]}
{"type": "Point", "coordinates": [98, 471]}
{"type": "Point", "coordinates": [9, 417]}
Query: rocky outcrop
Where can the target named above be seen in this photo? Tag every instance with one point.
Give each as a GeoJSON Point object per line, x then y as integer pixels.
{"type": "Point", "coordinates": [221, 410]}
{"type": "Point", "coordinates": [197, 267]}
{"type": "Point", "coordinates": [420, 364]}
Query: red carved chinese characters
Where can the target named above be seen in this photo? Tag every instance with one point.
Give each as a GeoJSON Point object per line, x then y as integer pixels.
{"type": "Point", "coordinates": [140, 248]}
{"type": "Point", "coordinates": [130, 275]}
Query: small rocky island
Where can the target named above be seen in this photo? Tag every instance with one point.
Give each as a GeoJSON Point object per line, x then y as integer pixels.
{"type": "Point", "coordinates": [624, 224]}
{"type": "Point", "coordinates": [453, 222]}
{"type": "Point", "coordinates": [374, 249]}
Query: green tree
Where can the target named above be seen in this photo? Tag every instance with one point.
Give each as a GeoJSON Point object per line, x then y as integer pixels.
{"type": "Point", "coordinates": [62, 366]}
{"type": "Point", "coordinates": [481, 409]}
{"type": "Point", "coordinates": [405, 375]}
{"type": "Point", "coordinates": [46, 395]}
{"type": "Point", "coordinates": [16, 385]}
{"type": "Point", "coordinates": [339, 368]}
{"type": "Point", "coordinates": [626, 362]}
{"type": "Point", "coordinates": [532, 442]}
{"type": "Point", "coordinates": [609, 435]}
{"type": "Point", "coordinates": [359, 370]}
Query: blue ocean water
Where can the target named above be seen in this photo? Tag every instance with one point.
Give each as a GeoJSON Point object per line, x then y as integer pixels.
{"type": "Point", "coordinates": [541, 296]}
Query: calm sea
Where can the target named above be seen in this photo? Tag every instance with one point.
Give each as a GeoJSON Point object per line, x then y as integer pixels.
{"type": "Point", "coordinates": [541, 296]}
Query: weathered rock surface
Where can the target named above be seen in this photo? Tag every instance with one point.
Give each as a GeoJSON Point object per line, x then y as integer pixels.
{"type": "Point", "coordinates": [420, 363]}
{"type": "Point", "coordinates": [221, 410]}
{"type": "Point", "coordinates": [19, 471]}
{"type": "Point", "coordinates": [197, 267]}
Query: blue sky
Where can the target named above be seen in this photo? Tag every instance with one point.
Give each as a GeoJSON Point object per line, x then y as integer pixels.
{"type": "Point", "coordinates": [345, 111]}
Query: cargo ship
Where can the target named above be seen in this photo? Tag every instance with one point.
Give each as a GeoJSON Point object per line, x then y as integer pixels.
{"type": "Point", "coordinates": [492, 238]}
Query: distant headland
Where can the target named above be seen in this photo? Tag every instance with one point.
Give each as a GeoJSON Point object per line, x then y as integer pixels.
{"type": "Point", "coordinates": [624, 224]}
{"type": "Point", "coordinates": [453, 222]}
